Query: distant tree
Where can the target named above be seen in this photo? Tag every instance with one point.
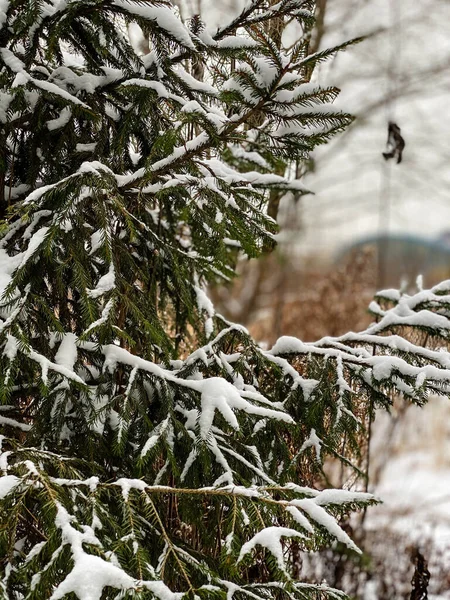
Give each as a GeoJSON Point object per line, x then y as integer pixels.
{"type": "Point", "coordinates": [149, 448]}
{"type": "Point", "coordinates": [385, 78]}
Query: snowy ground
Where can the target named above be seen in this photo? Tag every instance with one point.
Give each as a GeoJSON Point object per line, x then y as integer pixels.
{"type": "Point", "coordinates": [414, 484]}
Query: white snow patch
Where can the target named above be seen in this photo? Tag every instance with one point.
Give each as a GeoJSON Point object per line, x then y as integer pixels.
{"type": "Point", "coordinates": [103, 318]}
{"type": "Point", "coordinates": [105, 283]}
{"type": "Point", "coordinates": [320, 516]}
{"type": "Point", "coordinates": [11, 347]}
{"type": "Point", "coordinates": [205, 304]}
{"type": "Point", "coordinates": [4, 5]}
{"type": "Point", "coordinates": [314, 441]}
{"type": "Point", "coordinates": [64, 117]}
{"type": "Point", "coordinates": [164, 17]}
{"type": "Point", "coordinates": [7, 484]}
{"type": "Point", "coordinates": [155, 435]}
{"type": "Point", "coordinates": [270, 538]}
{"type": "Point", "coordinates": [89, 576]}
{"type": "Point", "coordinates": [36, 240]}
{"type": "Point", "coordinates": [67, 351]}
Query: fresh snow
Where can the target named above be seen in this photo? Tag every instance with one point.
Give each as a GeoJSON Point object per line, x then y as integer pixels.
{"type": "Point", "coordinates": [64, 117]}
{"type": "Point", "coordinates": [67, 351]}
{"type": "Point", "coordinates": [205, 305]}
{"type": "Point", "coordinates": [161, 591]}
{"type": "Point", "coordinates": [103, 318]}
{"type": "Point", "coordinates": [11, 347]}
{"type": "Point", "coordinates": [321, 517]}
{"type": "Point", "coordinates": [36, 240]}
{"type": "Point", "coordinates": [4, 5]}
{"type": "Point", "coordinates": [164, 17]}
{"type": "Point", "coordinates": [313, 441]}
{"type": "Point", "coordinates": [8, 264]}
{"type": "Point", "coordinates": [155, 436]}
{"type": "Point", "coordinates": [89, 576]}
{"type": "Point", "coordinates": [105, 284]}
{"type": "Point", "coordinates": [7, 484]}
{"type": "Point", "coordinates": [11, 61]}
{"type": "Point", "coordinates": [270, 538]}
{"type": "Point", "coordinates": [217, 394]}
{"type": "Point", "coordinates": [52, 88]}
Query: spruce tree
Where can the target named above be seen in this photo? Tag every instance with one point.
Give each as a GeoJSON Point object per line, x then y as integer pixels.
{"type": "Point", "coordinates": [150, 448]}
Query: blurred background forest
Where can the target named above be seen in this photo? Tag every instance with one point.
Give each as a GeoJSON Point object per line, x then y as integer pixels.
{"type": "Point", "coordinates": [369, 224]}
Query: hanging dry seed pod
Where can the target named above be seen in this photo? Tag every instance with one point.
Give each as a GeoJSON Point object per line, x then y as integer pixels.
{"type": "Point", "coordinates": [395, 143]}
{"type": "Point", "coordinates": [420, 578]}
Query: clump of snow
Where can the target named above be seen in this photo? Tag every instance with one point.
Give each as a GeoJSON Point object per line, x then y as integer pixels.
{"type": "Point", "coordinates": [331, 496]}
{"type": "Point", "coordinates": [11, 346]}
{"type": "Point", "coordinates": [36, 240]}
{"type": "Point", "coordinates": [270, 538]}
{"type": "Point", "coordinates": [288, 345]}
{"type": "Point", "coordinates": [64, 117]}
{"type": "Point", "coordinates": [67, 351]}
{"type": "Point", "coordinates": [11, 61]}
{"type": "Point", "coordinates": [320, 516]}
{"type": "Point", "coordinates": [4, 5]}
{"type": "Point", "coordinates": [89, 576]}
{"type": "Point", "coordinates": [105, 284]}
{"type": "Point", "coordinates": [164, 17]}
{"type": "Point", "coordinates": [161, 591]}
{"type": "Point", "coordinates": [129, 484]}
{"type": "Point", "coordinates": [314, 441]}
{"type": "Point", "coordinates": [217, 394]}
{"type": "Point", "coordinates": [20, 79]}
{"type": "Point", "coordinates": [7, 484]}
{"type": "Point", "coordinates": [86, 147]}
{"type": "Point", "coordinates": [204, 304]}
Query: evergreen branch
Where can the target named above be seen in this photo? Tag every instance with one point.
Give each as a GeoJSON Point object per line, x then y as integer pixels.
{"type": "Point", "coordinates": [171, 546]}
